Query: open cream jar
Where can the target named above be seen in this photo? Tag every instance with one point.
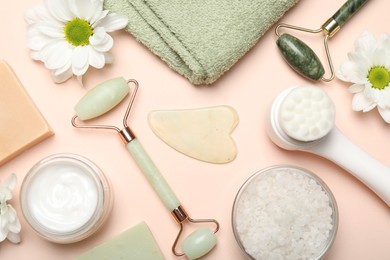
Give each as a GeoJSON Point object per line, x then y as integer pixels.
{"type": "Point", "coordinates": [285, 212]}
{"type": "Point", "coordinates": [65, 198]}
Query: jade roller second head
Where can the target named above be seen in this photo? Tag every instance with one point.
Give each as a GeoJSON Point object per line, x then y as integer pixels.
{"type": "Point", "coordinates": [300, 56]}
{"type": "Point", "coordinates": [103, 98]}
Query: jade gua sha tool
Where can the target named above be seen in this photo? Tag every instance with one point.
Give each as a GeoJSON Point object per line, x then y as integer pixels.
{"type": "Point", "coordinates": [201, 133]}
{"type": "Point", "coordinates": [103, 98]}
{"type": "Point", "coordinates": [300, 56]}
{"type": "Point", "coordinates": [302, 119]}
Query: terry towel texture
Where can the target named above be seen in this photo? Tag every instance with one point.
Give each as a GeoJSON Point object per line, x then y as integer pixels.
{"type": "Point", "coordinates": [200, 39]}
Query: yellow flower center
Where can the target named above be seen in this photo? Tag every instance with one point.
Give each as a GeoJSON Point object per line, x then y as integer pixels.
{"type": "Point", "coordinates": [379, 77]}
{"type": "Point", "coordinates": [77, 32]}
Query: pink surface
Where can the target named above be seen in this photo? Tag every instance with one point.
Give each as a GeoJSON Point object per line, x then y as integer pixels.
{"type": "Point", "coordinates": [206, 190]}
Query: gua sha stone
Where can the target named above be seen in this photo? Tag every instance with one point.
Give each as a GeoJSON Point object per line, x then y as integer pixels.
{"type": "Point", "coordinates": [300, 57]}
{"type": "Point", "coordinates": [202, 133]}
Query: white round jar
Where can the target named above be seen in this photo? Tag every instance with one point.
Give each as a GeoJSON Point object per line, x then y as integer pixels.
{"type": "Point", "coordinates": [285, 212]}
{"type": "Point", "coordinates": [65, 198]}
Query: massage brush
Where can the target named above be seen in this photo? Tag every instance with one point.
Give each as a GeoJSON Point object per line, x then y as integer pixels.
{"type": "Point", "coordinates": [302, 119]}
{"type": "Point", "coordinates": [105, 97]}
{"type": "Point", "coordinates": [300, 56]}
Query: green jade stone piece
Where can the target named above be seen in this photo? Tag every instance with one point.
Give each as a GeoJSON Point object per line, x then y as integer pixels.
{"type": "Point", "coordinates": [300, 57]}
{"type": "Point", "coordinates": [102, 98]}
{"type": "Point", "coordinates": [347, 10]}
{"type": "Point", "coordinates": [199, 243]}
{"type": "Point", "coordinates": [152, 174]}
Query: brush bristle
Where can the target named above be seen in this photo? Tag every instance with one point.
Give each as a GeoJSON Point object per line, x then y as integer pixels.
{"type": "Point", "coordinates": [307, 113]}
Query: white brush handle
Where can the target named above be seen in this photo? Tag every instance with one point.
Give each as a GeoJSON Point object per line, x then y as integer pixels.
{"type": "Point", "coordinates": [153, 174]}
{"type": "Point", "coordinates": [339, 149]}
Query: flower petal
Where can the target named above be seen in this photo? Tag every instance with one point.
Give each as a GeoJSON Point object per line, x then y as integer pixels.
{"type": "Point", "coordinates": [108, 57]}
{"type": "Point", "coordinates": [51, 30]}
{"type": "Point", "coordinates": [35, 55]}
{"type": "Point", "coordinates": [85, 9]}
{"type": "Point", "coordinates": [11, 181]}
{"type": "Point", "coordinates": [13, 237]}
{"type": "Point", "coordinates": [35, 39]}
{"type": "Point", "coordinates": [62, 76]}
{"type": "Point", "coordinates": [380, 57]}
{"type": "Point", "coordinates": [80, 80]}
{"type": "Point", "coordinates": [97, 17]}
{"type": "Point", "coordinates": [96, 59]}
{"type": "Point", "coordinates": [356, 88]}
{"type": "Point", "coordinates": [385, 114]}
{"type": "Point", "coordinates": [48, 50]}
{"type": "Point", "coordinates": [382, 97]}
{"type": "Point", "coordinates": [361, 103]}
{"type": "Point", "coordinates": [361, 62]}
{"type": "Point", "coordinates": [64, 68]}
{"type": "Point", "coordinates": [14, 224]}
{"type": "Point", "coordinates": [37, 13]}
{"type": "Point", "coordinates": [59, 9]}
{"type": "Point", "coordinates": [348, 71]}
{"type": "Point", "coordinates": [80, 60]}
{"type": "Point", "coordinates": [365, 43]}
{"type": "Point", "coordinates": [113, 22]}
{"type": "Point", "coordinates": [59, 56]}
{"type": "Point", "coordinates": [101, 41]}
{"type": "Point", "coordinates": [384, 41]}
{"type": "Point", "coordinates": [3, 233]}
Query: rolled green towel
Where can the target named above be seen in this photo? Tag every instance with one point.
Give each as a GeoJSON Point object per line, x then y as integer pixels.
{"type": "Point", "coordinates": [200, 39]}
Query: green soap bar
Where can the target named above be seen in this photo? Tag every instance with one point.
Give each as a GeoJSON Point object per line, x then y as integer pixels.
{"type": "Point", "coordinates": [134, 244]}
{"type": "Point", "coordinates": [300, 57]}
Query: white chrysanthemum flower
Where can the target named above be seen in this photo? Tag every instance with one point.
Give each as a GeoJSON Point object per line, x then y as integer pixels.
{"type": "Point", "coordinates": [9, 222]}
{"type": "Point", "coordinates": [68, 36]}
{"type": "Point", "coordinates": [368, 68]}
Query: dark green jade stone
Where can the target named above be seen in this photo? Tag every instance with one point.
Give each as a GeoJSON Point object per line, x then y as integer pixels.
{"type": "Point", "coordinates": [347, 10]}
{"type": "Point", "coordinates": [300, 57]}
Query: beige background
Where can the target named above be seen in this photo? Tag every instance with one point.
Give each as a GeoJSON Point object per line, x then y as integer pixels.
{"type": "Point", "coordinates": [206, 190]}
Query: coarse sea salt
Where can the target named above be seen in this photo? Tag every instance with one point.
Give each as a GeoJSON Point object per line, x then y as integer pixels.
{"type": "Point", "coordinates": [283, 213]}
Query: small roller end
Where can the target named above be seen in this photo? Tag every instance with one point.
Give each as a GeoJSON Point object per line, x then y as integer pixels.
{"type": "Point", "coordinates": [199, 243]}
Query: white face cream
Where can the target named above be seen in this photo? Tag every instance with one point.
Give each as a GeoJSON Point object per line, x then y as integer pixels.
{"type": "Point", "coordinates": [65, 198]}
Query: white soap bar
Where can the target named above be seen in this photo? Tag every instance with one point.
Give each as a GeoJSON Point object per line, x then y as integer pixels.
{"type": "Point", "coordinates": [134, 244]}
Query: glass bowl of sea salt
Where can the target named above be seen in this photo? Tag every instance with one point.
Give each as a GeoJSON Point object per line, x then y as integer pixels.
{"type": "Point", "coordinates": [285, 212]}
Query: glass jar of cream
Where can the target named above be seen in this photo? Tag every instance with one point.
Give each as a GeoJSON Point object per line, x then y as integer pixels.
{"type": "Point", "coordinates": [65, 198]}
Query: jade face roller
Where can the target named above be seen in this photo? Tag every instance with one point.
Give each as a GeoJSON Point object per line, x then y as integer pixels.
{"type": "Point", "coordinates": [300, 56]}
{"type": "Point", "coordinates": [103, 98]}
{"type": "Point", "coordinates": [302, 119]}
